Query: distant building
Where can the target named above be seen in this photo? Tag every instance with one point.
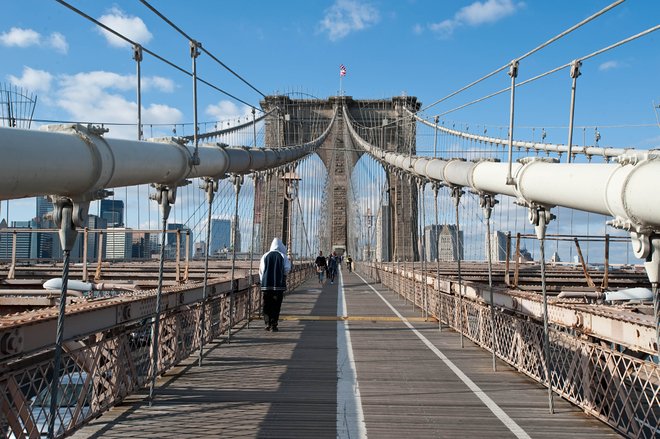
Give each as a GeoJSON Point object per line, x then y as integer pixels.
{"type": "Point", "coordinates": [113, 212]}
{"type": "Point", "coordinates": [525, 255]}
{"type": "Point", "coordinates": [382, 224]}
{"type": "Point", "coordinates": [497, 246]}
{"type": "Point", "coordinates": [236, 229]}
{"type": "Point", "coordinates": [93, 238]}
{"type": "Point", "coordinates": [140, 246]}
{"type": "Point", "coordinates": [440, 242]}
{"type": "Point", "coordinates": [200, 249]}
{"type": "Point", "coordinates": [44, 207]}
{"type": "Point", "coordinates": [220, 235]}
{"type": "Point", "coordinates": [186, 235]}
{"type": "Point", "coordinates": [119, 243]}
{"type": "Point", "coordinates": [24, 241]}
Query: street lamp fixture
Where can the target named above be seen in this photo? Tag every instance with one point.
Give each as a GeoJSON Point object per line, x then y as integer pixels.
{"type": "Point", "coordinates": [292, 181]}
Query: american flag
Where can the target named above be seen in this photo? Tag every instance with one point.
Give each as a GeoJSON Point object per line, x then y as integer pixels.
{"type": "Point", "coordinates": [342, 70]}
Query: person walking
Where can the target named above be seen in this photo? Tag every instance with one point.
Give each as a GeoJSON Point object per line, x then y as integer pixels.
{"type": "Point", "coordinates": [332, 267]}
{"type": "Point", "coordinates": [349, 263]}
{"type": "Point", "coordinates": [321, 266]}
{"type": "Point", "coordinates": [273, 269]}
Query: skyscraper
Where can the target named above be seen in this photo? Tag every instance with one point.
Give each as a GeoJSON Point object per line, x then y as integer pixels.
{"type": "Point", "coordinates": [171, 240]}
{"type": "Point", "coordinates": [113, 212]}
{"type": "Point", "coordinates": [440, 242]}
{"type": "Point", "coordinates": [497, 246]}
{"type": "Point", "coordinates": [236, 228]}
{"type": "Point", "coordinates": [119, 243]}
{"type": "Point", "coordinates": [44, 206]}
{"type": "Point", "coordinates": [96, 223]}
{"type": "Point", "coordinates": [220, 235]}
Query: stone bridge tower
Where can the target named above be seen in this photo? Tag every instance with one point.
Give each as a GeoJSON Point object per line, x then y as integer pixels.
{"type": "Point", "coordinates": [291, 124]}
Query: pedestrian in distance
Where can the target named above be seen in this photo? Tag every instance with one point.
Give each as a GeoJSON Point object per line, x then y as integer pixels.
{"type": "Point", "coordinates": [349, 263]}
{"type": "Point", "coordinates": [321, 266]}
{"type": "Point", "coordinates": [273, 269]}
{"type": "Point", "coordinates": [333, 262]}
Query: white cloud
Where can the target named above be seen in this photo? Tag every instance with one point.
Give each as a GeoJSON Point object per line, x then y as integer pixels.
{"type": "Point", "coordinates": [476, 14]}
{"type": "Point", "coordinates": [418, 29]}
{"type": "Point", "coordinates": [20, 37]}
{"type": "Point", "coordinates": [131, 27]}
{"type": "Point", "coordinates": [17, 37]}
{"type": "Point", "coordinates": [346, 16]}
{"type": "Point", "coordinates": [58, 42]}
{"type": "Point", "coordinates": [33, 80]}
{"type": "Point", "coordinates": [97, 97]}
{"type": "Point", "coordinates": [227, 110]}
{"type": "Point", "coordinates": [158, 82]}
{"type": "Point", "coordinates": [609, 65]}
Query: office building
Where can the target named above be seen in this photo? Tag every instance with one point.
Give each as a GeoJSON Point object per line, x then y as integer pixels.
{"type": "Point", "coordinates": [113, 212]}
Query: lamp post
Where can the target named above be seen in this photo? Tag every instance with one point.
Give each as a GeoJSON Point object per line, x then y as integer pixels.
{"type": "Point", "coordinates": [370, 218]}
{"type": "Point", "coordinates": [291, 180]}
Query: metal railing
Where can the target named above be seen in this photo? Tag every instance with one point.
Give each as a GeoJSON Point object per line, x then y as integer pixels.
{"type": "Point", "coordinates": [99, 370]}
{"type": "Point", "coordinates": [619, 389]}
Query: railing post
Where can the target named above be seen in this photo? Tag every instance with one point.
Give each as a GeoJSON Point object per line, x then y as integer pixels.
{"type": "Point", "coordinates": [178, 256]}
{"type": "Point", "coordinates": [507, 279]}
{"type": "Point", "coordinates": [99, 260]}
{"type": "Point", "coordinates": [84, 255]}
{"type": "Point", "coordinates": [186, 269]}
{"type": "Point", "coordinates": [12, 268]}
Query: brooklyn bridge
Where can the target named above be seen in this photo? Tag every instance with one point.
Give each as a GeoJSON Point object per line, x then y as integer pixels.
{"type": "Point", "coordinates": [501, 286]}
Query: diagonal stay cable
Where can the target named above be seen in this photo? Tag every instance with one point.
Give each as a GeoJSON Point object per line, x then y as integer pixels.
{"type": "Point", "coordinates": [213, 57]}
{"type": "Point", "coordinates": [556, 69]}
{"type": "Point", "coordinates": [536, 49]}
{"type": "Point", "coordinates": [150, 52]}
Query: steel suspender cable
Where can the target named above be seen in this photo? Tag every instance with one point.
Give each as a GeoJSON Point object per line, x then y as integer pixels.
{"type": "Point", "coordinates": [59, 337]}
{"type": "Point", "coordinates": [536, 49]}
{"type": "Point", "coordinates": [155, 55]}
{"type": "Point", "coordinates": [155, 11]}
{"type": "Point", "coordinates": [210, 186]}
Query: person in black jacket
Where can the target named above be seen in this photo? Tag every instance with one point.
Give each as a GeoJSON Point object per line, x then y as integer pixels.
{"type": "Point", "coordinates": [333, 266]}
{"type": "Point", "coordinates": [321, 266]}
{"type": "Point", "coordinates": [273, 268]}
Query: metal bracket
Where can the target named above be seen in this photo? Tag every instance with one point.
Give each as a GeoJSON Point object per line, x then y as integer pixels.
{"type": "Point", "coordinates": [575, 68]}
{"type": "Point", "coordinates": [67, 216]}
{"type": "Point", "coordinates": [165, 196]}
{"type": "Point", "coordinates": [513, 68]}
{"type": "Point", "coordinates": [539, 217]}
{"type": "Point", "coordinates": [456, 193]}
{"type": "Point", "coordinates": [194, 48]}
{"type": "Point", "coordinates": [487, 202]}
{"type": "Point", "coordinates": [210, 186]}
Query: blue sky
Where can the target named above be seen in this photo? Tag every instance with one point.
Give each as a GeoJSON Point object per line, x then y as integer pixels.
{"type": "Point", "coordinates": [426, 48]}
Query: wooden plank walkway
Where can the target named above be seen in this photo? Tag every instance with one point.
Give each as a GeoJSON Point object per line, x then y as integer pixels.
{"type": "Point", "coordinates": [287, 384]}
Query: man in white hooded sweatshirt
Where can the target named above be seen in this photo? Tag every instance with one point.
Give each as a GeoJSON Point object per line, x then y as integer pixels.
{"type": "Point", "coordinates": [273, 268]}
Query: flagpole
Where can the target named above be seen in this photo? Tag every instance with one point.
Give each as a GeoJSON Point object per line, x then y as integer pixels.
{"type": "Point", "coordinates": [341, 93]}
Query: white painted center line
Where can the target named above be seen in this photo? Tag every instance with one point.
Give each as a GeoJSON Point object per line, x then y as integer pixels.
{"type": "Point", "coordinates": [497, 411]}
{"type": "Point", "coordinates": [350, 418]}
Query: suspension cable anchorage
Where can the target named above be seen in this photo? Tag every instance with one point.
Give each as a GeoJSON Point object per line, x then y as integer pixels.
{"type": "Point", "coordinates": [194, 48]}
{"type": "Point", "coordinates": [137, 52]}
{"type": "Point", "coordinates": [487, 201]}
{"type": "Point", "coordinates": [540, 216]}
